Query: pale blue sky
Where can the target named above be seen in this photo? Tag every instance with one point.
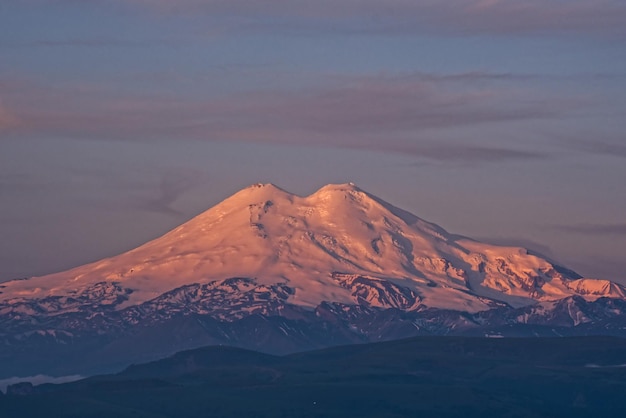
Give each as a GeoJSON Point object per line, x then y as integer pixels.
{"type": "Point", "coordinates": [502, 120]}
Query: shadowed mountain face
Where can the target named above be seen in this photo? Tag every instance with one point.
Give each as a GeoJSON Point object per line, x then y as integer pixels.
{"type": "Point", "coordinates": [425, 376]}
{"type": "Point", "coordinates": [276, 272]}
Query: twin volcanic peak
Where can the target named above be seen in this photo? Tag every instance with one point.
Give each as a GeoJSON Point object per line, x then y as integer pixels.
{"type": "Point", "coordinates": [338, 245]}
{"type": "Point", "coordinates": [271, 271]}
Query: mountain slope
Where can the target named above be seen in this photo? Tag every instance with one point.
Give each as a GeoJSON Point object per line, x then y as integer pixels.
{"type": "Point", "coordinates": [314, 245]}
{"type": "Point", "coordinates": [269, 270]}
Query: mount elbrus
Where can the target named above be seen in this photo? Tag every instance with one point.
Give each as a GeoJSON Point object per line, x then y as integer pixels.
{"type": "Point", "coordinates": [272, 271]}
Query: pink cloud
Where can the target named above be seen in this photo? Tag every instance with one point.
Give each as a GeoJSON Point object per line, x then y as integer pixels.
{"type": "Point", "coordinates": [8, 120]}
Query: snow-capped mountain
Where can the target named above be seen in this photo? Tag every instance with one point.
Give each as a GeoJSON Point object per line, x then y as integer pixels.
{"type": "Point", "coordinates": [340, 265]}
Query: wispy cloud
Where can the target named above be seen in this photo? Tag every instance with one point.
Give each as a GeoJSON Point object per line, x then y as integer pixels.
{"type": "Point", "coordinates": [18, 184]}
{"type": "Point", "coordinates": [594, 229]}
{"type": "Point", "coordinates": [172, 185]}
{"type": "Point", "coordinates": [382, 104]}
{"type": "Point", "coordinates": [616, 147]}
{"type": "Point", "coordinates": [89, 43]}
{"type": "Point", "coordinates": [456, 17]}
{"type": "Point", "coordinates": [466, 154]}
{"type": "Point", "coordinates": [398, 114]}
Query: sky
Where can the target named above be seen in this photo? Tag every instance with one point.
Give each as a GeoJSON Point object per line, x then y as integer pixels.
{"type": "Point", "coordinates": [501, 120]}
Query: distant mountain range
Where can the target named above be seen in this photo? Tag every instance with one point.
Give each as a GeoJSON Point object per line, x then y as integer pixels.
{"type": "Point", "coordinates": [268, 270]}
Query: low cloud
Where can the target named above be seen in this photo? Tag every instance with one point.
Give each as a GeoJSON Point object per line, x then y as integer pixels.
{"type": "Point", "coordinates": [534, 246]}
{"type": "Point", "coordinates": [600, 268]}
{"type": "Point", "coordinates": [594, 229]}
{"type": "Point", "coordinates": [37, 380]}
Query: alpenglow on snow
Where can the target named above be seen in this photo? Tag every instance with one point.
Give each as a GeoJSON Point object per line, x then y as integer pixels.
{"type": "Point", "coordinates": [338, 266]}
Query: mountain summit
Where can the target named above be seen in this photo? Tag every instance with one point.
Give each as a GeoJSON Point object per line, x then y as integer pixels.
{"type": "Point", "coordinates": [317, 245]}
{"type": "Point", "coordinates": [334, 257]}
